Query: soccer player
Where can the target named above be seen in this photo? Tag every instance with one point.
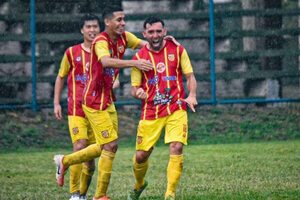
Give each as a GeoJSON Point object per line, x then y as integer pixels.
{"type": "Point", "coordinates": [74, 66]}
{"type": "Point", "coordinates": [107, 52]}
{"type": "Point", "coordinates": [163, 104]}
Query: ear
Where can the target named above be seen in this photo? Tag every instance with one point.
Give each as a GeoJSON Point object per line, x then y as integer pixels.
{"type": "Point", "coordinates": [106, 22]}
{"type": "Point", "coordinates": [165, 32]}
{"type": "Point", "coordinates": [144, 34]}
{"type": "Point", "coordinates": [81, 30]}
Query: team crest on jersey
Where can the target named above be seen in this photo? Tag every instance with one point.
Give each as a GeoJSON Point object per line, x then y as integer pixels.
{"type": "Point", "coordinates": [171, 57]}
{"type": "Point", "coordinates": [105, 134]}
{"type": "Point", "coordinates": [160, 67]}
{"type": "Point", "coordinates": [75, 130]}
{"type": "Point", "coordinates": [139, 139]}
{"type": "Point", "coordinates": [121, 49]}
{"type": "Point", "coordinates": [78, 59]}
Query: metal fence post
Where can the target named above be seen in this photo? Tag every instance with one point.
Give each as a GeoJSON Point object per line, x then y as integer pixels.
{"type": "Point", "coordinates": [33, 58]}
{"type": "Point", "coordinates": [212, 52]}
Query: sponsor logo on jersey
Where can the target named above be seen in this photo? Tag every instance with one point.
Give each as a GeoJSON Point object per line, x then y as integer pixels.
{"type": "Point", "coordinates": [160, 67]}
{"type": "Point", "coordinates": [82, 78]}
{"type": "Point", "coordinates": [169, 78]}
{"type": "Point", "coordinates": [153, 81]}
{"type": "Point", "coordinates": [171, 57]}
{"type": "Point", "coordinates": [75, 130]}
{"type": "Point", "coordinates": [105, 134]}
{"type": "Point", "coordinates": [109, 71]}
{"type": "Point", "coordinates": [78, 59]}
{"type": "Point", "coordinates": [162, 98]}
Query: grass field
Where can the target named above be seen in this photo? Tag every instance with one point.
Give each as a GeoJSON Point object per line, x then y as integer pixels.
{"type": "Point", "coordinates": [268, 170]}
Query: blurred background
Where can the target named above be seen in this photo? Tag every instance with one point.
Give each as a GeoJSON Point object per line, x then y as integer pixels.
{"type": "Point", "coordinates": [243, 51]}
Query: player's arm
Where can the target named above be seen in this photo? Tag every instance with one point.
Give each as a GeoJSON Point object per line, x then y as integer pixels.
{"type": "Point", "coordinates": [136, 80]}
{"type": "Point", "coordinates": [187, 69]}
{"type": "Point", "coordinates": [138, 92]}
{"type": "Point", "coordinates": [116, 83]}
{"type": "Point", "coordinates": [59, 85]}
{"type": "Point", "coordinates": [191, 100]}
{"type": "Point", "coordinates": [103, 54]}
{"type": "Point", "coordinates": [142, 64]}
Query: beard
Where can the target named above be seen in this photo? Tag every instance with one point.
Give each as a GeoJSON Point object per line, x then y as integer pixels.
{"type": "Point", "coordinates": [156, 46]}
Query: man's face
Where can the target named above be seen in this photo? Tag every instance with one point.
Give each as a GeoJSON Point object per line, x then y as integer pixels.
{"type": "Point", "coordinates": [90, 30]}
{"type": "Point", "coordinates": [117, 23]}
{"type": "Point", "coordinates": [155, 34]}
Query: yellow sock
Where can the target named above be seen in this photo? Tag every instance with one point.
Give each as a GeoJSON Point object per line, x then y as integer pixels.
{"type": "Point", "coordinates": [104, 172]}
{"type": "Point", "coordinates": [174, 171]}
{"type": "Point", "coordinates": [86, 154]}
{"type": "Point", "coordinates": [75, 172]}
{"type": "Point", "coordinates": [85, 179]}
{"type": "Point", "coordinates": [139, 171]}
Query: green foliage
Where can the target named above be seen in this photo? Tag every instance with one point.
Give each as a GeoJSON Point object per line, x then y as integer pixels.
{"type": "Point", "coordinates": [253, 171]}
{"type": "Point", "coordinates": [207, 126]}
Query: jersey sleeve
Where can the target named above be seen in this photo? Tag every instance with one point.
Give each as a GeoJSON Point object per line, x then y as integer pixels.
{"type": "Point", "coordinates": [101, 49]}
{"type": "Point", "coordinates": [132, 40]}
{"type": "Point", "coordinates": [185, 63]}
{"type": "Point", "coordinates": [64, 66]}
{"type": "Point", "coordinates": [136, 75]}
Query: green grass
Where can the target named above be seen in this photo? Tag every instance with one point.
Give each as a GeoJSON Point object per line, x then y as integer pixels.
{"type": "Point", "coordinates": [264, 171]}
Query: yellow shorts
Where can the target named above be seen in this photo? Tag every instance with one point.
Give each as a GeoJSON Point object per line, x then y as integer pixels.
{"type": "Point", "coordinates": [149, 131]}
{"type": "Point", "coordinates": [104, 123]}
{"type": "Point", "coordinates": [80, 128]}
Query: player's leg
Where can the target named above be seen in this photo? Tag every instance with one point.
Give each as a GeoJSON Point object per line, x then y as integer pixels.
{"type": "Point", "coordinates": [63, 162]}
{"type": "Point", "coordinates": [75, 170]}
{"type": "Point", "coordinates": [88, 168]}
{"type": "Point", "coordinates": [105, 125]}
{"type": "Point", "coordinates": [148, 134]}
{"type": "Point", "coordinates": [176, 135]}
{"type": "Point", "coordinates": [78, 133]}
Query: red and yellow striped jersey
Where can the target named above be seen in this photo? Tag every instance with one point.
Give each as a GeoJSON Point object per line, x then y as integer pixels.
{"type": "Point", "coordinates": [98, 93]}
{"type": "Point", "coordinates": [74, 64]}
{"type": "Point", "coordinates": [163, 85]}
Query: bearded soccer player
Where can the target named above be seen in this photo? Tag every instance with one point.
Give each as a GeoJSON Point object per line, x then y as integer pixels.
{"type": "Point", "coordinates": [163, 104]}
{"type": "Point", "coordinates": [74, 66]}
{"type": "Point", "coordinates": [107, 53]}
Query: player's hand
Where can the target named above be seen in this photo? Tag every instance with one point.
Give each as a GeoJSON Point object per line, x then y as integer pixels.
{"type": "Point", "coordinates": [144, 65]}
{"type": "Point", "coordinates": [140, 93]}
{"type": "Point", "coordinates": [57, 111]}
{"type": "Point", "coordinates": [170, 37]}
{"type": "Point", "coordinates": [191, 102]}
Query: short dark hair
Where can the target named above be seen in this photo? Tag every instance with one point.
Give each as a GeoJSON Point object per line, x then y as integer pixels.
{"type": "Point", "coordinates": [109, 11]}
{"type": "Point", "coordinates": [88, 17]}
{"type": "Point", "coordinates": [151, 20]}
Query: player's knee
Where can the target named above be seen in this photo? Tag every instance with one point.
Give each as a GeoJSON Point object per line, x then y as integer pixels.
{"type": "Point", "coordinates": [176, 148]}
{"type": "Point", "coordinates": [112, 146]}
{"type": "Point", "coordinates": [142, 156]}
{"type": "Point", "coordinates": [79, 144]}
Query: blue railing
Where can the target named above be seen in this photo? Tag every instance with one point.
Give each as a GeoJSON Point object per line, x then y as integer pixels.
{"type": "Point", "coordinates": [34, 105]}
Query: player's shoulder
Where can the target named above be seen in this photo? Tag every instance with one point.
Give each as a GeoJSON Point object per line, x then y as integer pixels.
{"type": "Point", "coordinates": [72, 48]}
{"type": "Point", "coordinates": [143, 51]}
{"type": "Point", "coordinates": [103, 36]}
{"type": "Point", "coordinates": [171, 41]}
